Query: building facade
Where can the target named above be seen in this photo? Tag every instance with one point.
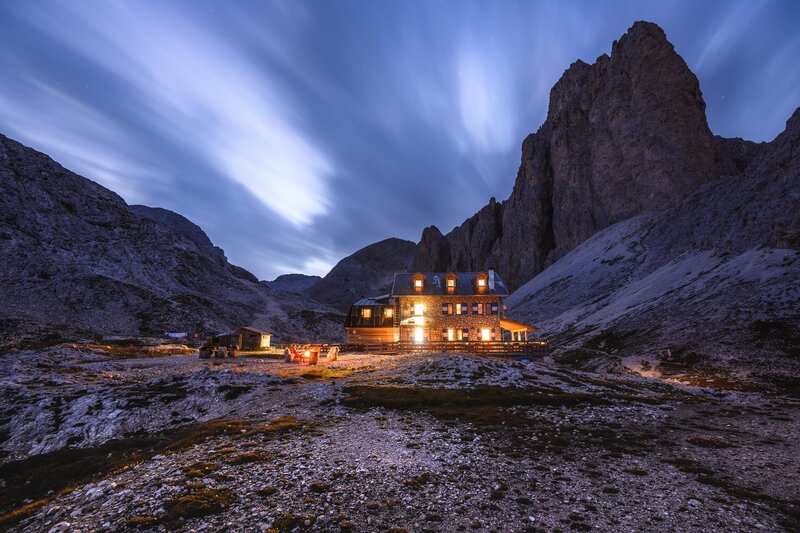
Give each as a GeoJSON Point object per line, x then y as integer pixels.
{"type": "Point", "coordinates": [426, 307]}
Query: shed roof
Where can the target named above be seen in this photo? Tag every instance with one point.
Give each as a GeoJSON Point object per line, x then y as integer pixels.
{"type": "Point", "coordinates": [255, 330]}
{"type": "Point", "coordinates": [435, 284]}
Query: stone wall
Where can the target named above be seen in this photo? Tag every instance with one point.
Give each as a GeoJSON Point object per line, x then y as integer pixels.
{"type": "Point", "coordinates": [435, 321]}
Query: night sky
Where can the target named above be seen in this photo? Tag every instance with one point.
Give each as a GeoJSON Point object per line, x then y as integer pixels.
{"type": "Point", "coordinates": [295, 133]}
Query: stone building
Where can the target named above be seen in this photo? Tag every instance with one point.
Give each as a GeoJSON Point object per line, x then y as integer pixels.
{"type": "Point", "coordinates": [428, 307]}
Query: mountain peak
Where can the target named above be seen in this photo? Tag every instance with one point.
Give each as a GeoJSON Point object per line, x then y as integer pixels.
{"type": "Point", "coordinates": [624, 135]}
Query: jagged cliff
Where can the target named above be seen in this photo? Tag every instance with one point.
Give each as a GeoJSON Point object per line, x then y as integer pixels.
{"type": "Point", "coordinates": [714, 278]}
{"type": "Point", "coordinates": [623, 136]}
{"type": "Point", "coordinates": [75, 256]}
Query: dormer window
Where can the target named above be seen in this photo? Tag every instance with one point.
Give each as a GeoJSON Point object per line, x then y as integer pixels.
{"type": "Point", "coordinates": [418, 283]}
{"type": "Point", "coordinates": [481, 282]}
{"type": "Point", "coordinates": [450, 281]}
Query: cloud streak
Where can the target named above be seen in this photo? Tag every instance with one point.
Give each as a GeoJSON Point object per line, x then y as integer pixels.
{"type": "Point", "coordinates": [297, 132]}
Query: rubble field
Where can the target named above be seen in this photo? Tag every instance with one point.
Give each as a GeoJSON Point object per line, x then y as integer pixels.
{"type": "Point", "coordinates": [99, 441]}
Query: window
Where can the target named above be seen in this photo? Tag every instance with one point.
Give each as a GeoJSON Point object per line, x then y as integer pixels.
{"type": "Point", "coordinates": [445, 309]}
{"type": "Point", "coordinates": [366, 313]}
{"type": "Point", "coordinates": [418, 283]}
{"type": "Point", "coordinates": [419, 335]}
{"type": "Point", "coordinates": [388, 312]}
{"type": "Point", "coordinates": [486, 334]}
{"type": "Point", "coordinates": [464, 309]}
{"type": "Point", "coordinates": [451, 283]}
{"type": "Point", "coordinates": [481, 282]}
{"type": "Point", "coordinates": [419, 309]}
{"type": "Point", "coordinates": [458, 309]}
{"type": "Point", "coordinates": [494, 308]}
{"type": "Point", "coordinates": [465, 334]}
{"type": "Point", "coordinates": [451, 334]}
{"type": "Point", "coordinates": [474, 308]}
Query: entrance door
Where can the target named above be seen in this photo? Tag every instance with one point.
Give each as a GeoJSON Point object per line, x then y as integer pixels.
{"type": "Point", "coordinates": [486, 334]}
{"type": "Point", "coordinates": [419, 335]}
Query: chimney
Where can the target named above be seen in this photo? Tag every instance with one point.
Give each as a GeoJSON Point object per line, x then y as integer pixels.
{"type": "Point", "coordinates": [490, 272]}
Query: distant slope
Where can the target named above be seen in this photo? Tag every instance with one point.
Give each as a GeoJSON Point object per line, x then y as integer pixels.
{"type": "Point", "coordinates": [75, 256]}
{"type": "Point", "coordinates": [365, 273]}
{"type": "Point", "coordinates": [715, 278]}
{"type": "Point", "coordinates": [295, 283]}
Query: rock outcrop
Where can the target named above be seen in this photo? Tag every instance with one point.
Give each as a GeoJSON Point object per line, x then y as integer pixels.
{"type": "Point", "coordinates": [76, 257]}
{"type": "Point", "coordinates": [711, 279]}
{"type": "Point", "coordinates": [367, 272]}
{"type": "Point", "coordinates": [623, 136]}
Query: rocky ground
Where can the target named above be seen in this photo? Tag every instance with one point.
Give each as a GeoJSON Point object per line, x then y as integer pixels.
{"type": "Point", "coordinates": [98, 439]}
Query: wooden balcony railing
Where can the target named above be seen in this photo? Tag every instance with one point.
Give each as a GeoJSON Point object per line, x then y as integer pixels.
{"type": "Point", "coordinates": [521, 348]}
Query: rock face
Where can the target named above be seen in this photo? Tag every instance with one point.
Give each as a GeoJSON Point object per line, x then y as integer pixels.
{"type": "Point", "coordinates": [75, 256]}
{"type": "Point", "coordinates": [715, 277]}
{"type": "Point", "coordinates": [295, 283]}
{"type": "Point", "coordinates": [367, 272]}
{"type": "Point", "coordinates": [623, 136]}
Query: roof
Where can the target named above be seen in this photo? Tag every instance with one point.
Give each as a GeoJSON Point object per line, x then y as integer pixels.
{"type": "Point", "coordinates": [383, 299]}
{"type": "Point", "coordinates": [513, 325]}
{"type": "Point", "coordinates": [435, 284]}
{"type": "Point", "coordinates": [255, 330]}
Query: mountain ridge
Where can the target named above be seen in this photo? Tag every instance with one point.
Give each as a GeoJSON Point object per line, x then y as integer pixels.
{"type": "Point", "coordinates": [75, 255]}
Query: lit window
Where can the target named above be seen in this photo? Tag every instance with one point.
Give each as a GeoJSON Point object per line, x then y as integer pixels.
{"type": "Point", "coordinates": [419, 309]}
{"type": "Point", "coordinates": [481, 282]}
{"type": "Point", "coordinates": [451, 282]}
{"type": "Point", "coordinates": [486, 334]}
{"type": "Point", "coordinates": [458, 309]}
{"type": "Point", "coordinates": [418, 283]}
{"type": "Point", "coordinates": [366, 313]}
{"type": "Point", "coordinates": [451, 334]}
{"type": "Point", "coordinates": [419, 335]}
{"type": "Point", "coordinates": [388, 312]}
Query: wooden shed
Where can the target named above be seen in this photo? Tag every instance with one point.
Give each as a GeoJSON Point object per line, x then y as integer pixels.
{"type": "Point", "coordinates": [246, 338]}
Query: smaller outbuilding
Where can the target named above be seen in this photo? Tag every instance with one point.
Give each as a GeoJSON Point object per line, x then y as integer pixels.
{"type": "Point", "coordinates": [246, 337]}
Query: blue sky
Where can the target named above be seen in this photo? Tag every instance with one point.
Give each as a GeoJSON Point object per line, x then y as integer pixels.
{"type": "Point", "coordinates": [295, 133]}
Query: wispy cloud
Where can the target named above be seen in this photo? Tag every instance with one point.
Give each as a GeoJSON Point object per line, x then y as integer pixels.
{"type": "Point", "coordinates": [203, 93]}
{"type": "Point", "coordinates": [86, 140]}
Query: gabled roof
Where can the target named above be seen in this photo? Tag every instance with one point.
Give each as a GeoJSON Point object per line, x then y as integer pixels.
{"type": "Point", "coordinates": [435, 284]}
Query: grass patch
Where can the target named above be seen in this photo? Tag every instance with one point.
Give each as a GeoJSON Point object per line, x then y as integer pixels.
{"type": "Point", "coordinates": [133, 350]}
{"type": "Point", "coordinates": [200, 469]}
{"type": "Point", "coordinates": [281, 424]}
{"type": "Point", "coordinates": [33, 478]}
{"type": "Point", "coordinates": [319, 487]}
{"type": "Point", "coordinates": [233, 391]}
{"type": "Point", "coordinates": [202, 502]}
{"type": "Point", "coordinates": [396, 397]}
{"type": "Point", "coordinates": [327, 373]}
{"type": "Point", "coordinates": [291, 522]}
{"type": "Point", "coordinates": [248, 457]}
{"type": "Point", "coordinates": [142, 521]}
